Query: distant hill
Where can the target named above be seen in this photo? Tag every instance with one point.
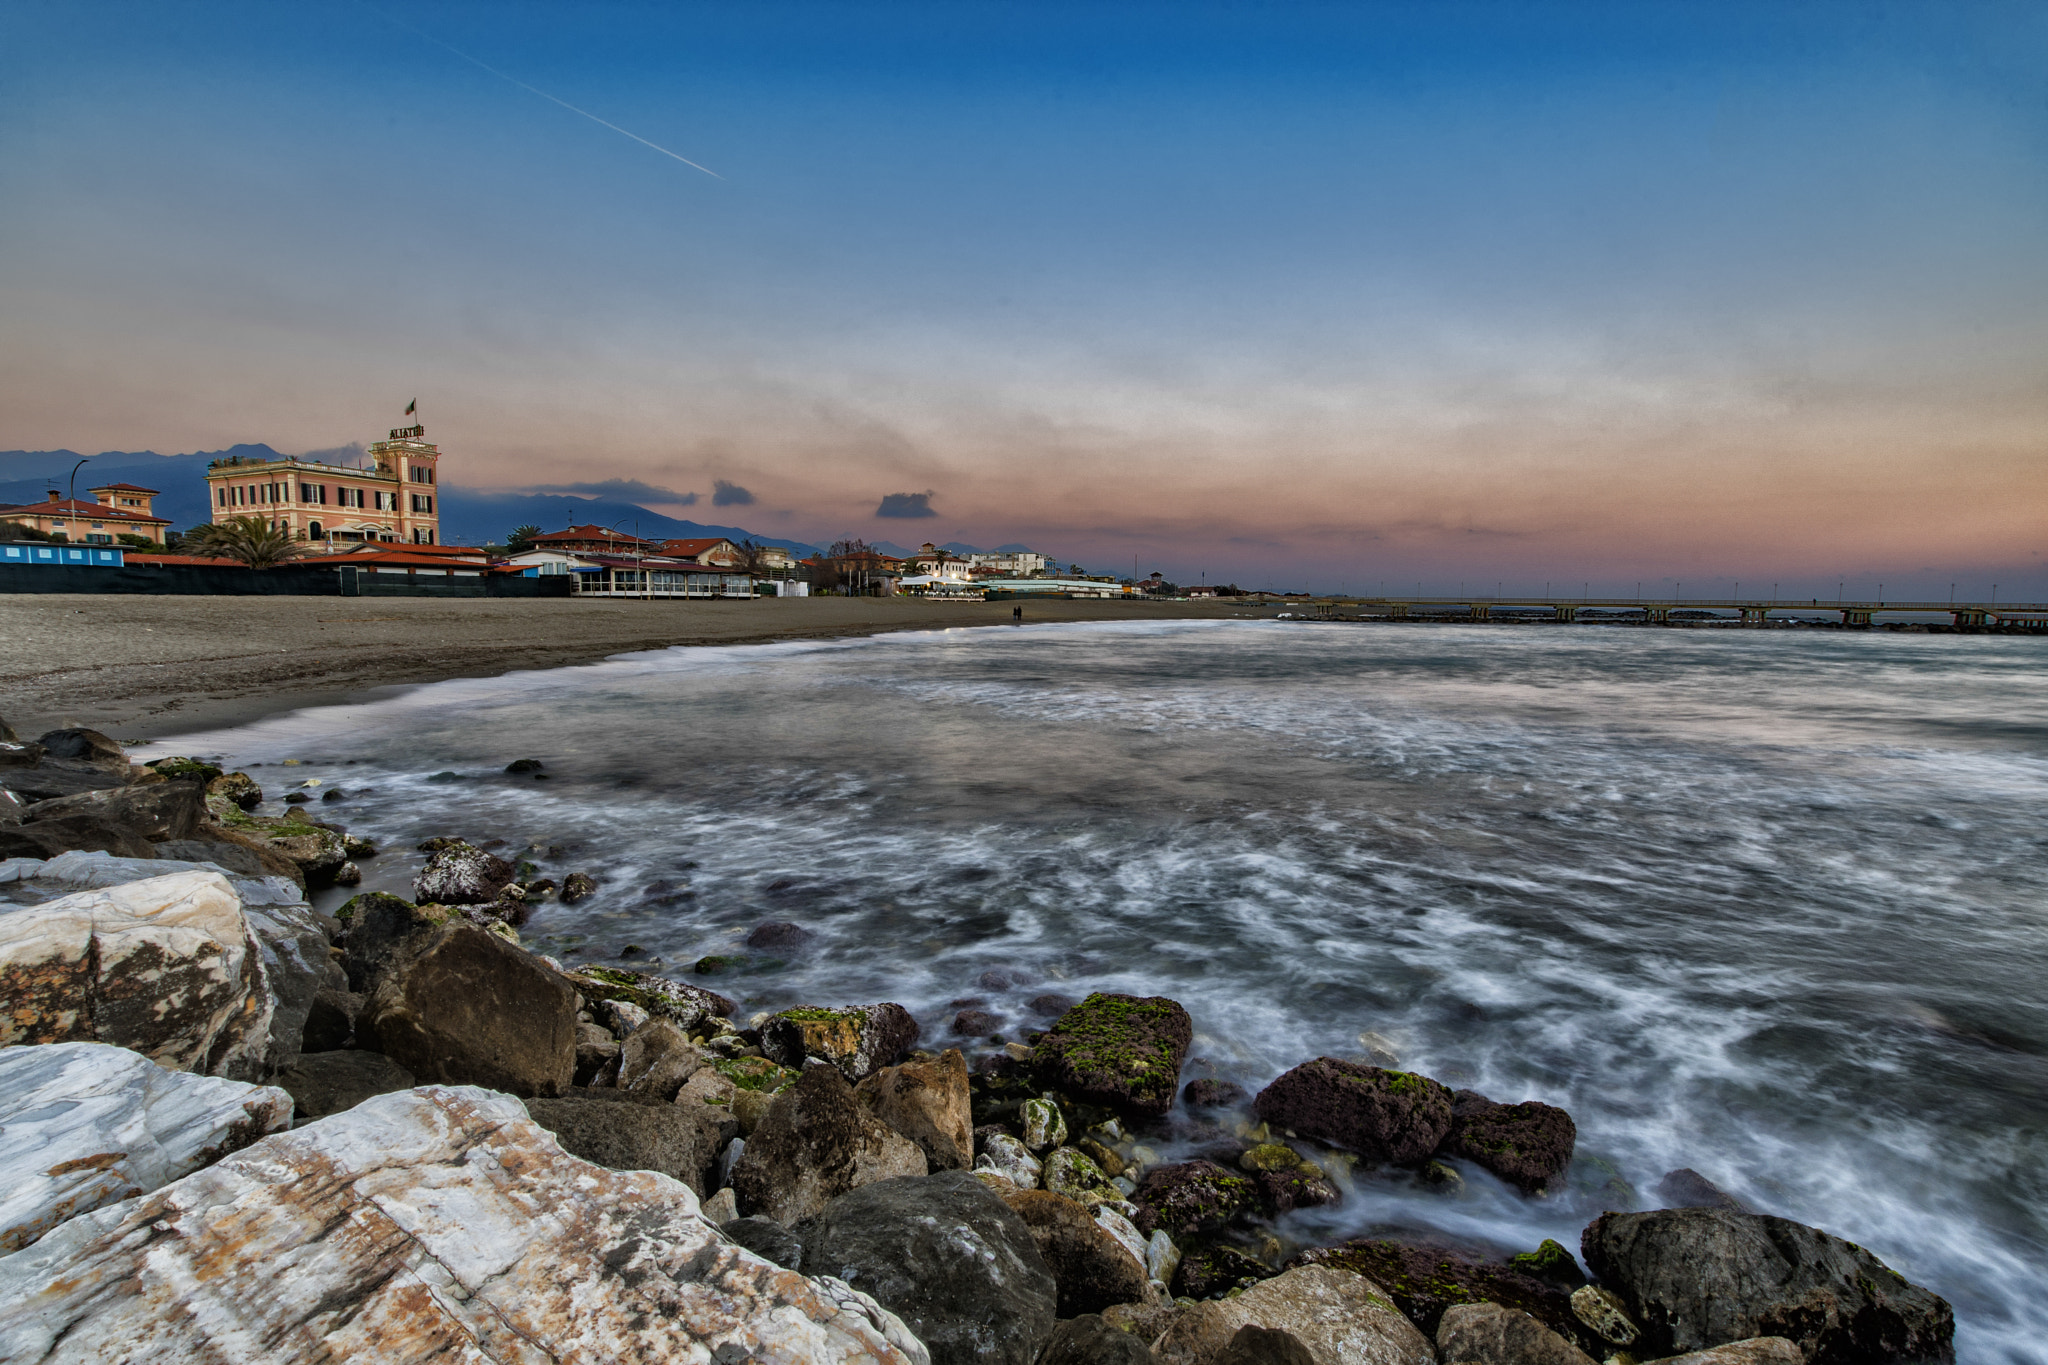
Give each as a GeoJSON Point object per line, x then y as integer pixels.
{"type": "Point", "coordinates": [469, 516]}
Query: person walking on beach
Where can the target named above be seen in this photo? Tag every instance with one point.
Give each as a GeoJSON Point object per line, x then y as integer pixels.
{"type": "Point", "coordinates": [1017, 615]}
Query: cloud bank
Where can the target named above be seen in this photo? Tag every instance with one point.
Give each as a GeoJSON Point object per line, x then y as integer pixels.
{"type": "Point", "coordinates": [632, 489]}
{"type": "Point", "coordinates": [725, 494]}
{"type": "Point", "coordinates": [906, 505]}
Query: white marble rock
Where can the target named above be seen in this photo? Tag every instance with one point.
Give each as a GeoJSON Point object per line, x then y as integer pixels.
{"type": "Point", "coordinates": [432, 1224]}
{"type": "Point", "coordinates": [168, 966]}
{"type": "Point", "coordinates": [83, 1125]}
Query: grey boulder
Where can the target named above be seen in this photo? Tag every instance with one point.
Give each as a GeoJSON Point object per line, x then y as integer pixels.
{"type": "Point", "coordinates": [947, 1257]}
{"type": "Point", "coordinates": [464, 1007]}
{"type": "Point", "coordinates": [1701, 1277]}
{"type": "Point", "coordinates": [814, 1145]}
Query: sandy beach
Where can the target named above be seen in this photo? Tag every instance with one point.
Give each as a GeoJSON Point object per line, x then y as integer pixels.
{"type": "Point", "coordinates": [146, 668]}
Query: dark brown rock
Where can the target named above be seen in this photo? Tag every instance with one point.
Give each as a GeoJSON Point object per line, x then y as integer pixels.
{"type": "Point", "coordinates": [464, 1007]}
{"type": "Point", "coordinates": [779, 936]}
{"type": "Point", "coordinates": [606, 1127]}
{"type": "Point", "coordinates": [323, 1083]}
{"type": "Point", "coordinates": [1192, 1196]}
{"type": "Point", "coordinates": [1209, 1270]}
{"type": "Point", "coordinates": [374, 927]}
{"type": "Point", "coordinates": [1256, 1345]}
{"type": "Point", "coordinates": [331, 1022]}
{"type": "Point", "coordinates": [1529, 1145]}
{"type": "Point", "coordinates": [1205, 1093]}
{"type": "Point", "coordinates": [1092, 1268]}
{"type": "Point", "coordinates": [1123, 1052]}
{"type": "Point", "coordinates": [1088, 1340]}
{"type": "Point", "coordinates": [85, 746]}
{"type": "Point", "coordinates": [577, 886]}
{"type": "Point", "coordinates": [815, 1143]}
{"type": "Point", "coordinates": [947, 1257]}
{"type": "Point", "coordinates": [1390, 1116]}
{"type": "Point", "coordinates": [976, 1023]}
{"type": "Point", "coordinates": [75, 833]}
{"type": "Point", "coordinates": [1699, 1277]}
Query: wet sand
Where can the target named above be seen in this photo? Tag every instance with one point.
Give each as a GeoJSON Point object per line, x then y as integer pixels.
{"type": "Point", "coordinates": [146, 668]}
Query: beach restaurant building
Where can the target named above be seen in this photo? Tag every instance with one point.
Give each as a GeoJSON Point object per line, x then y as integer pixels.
{"type": "Point", "coordinates": [612, 574]}
{"type": "Point", "coordinates": [392, 498]}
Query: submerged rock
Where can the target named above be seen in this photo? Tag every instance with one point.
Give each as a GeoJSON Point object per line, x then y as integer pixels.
{"type": "Point", "coordinates": [87, 1124]}
{"type": "Point", "coordinates": [814, 1144]}
{"type": "Point", "coordinates": [859, 1040]}
{"type": "Point", "coordinates": [1390, 1116]}
{"type": "Point", "coordinates": [1123, 1052]}
{"type": "Point", "coordinates": [1694, 1278]}
{"type": "Point", "coordinates": [1686, 1188]}
{"type": "Point", "coordinates": [167, 966]}
{"type": "Point", "coordinates": [438, 1223]}
{"type": "Point", "coordinates": [947, 1257]}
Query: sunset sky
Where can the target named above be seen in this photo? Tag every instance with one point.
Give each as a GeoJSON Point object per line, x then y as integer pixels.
{"type": "Point", "coordinates": [1310, 295]}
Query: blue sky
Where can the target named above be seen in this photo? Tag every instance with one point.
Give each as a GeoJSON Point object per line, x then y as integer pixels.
{"type": "Point", "coordinates": [1334, 293]}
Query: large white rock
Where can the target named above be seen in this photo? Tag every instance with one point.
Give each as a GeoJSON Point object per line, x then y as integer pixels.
{"type": "Point", "coordinates": [84, 1124]}
{"type": "Point", "coordinates": [168, 966]}
{"type": "Point", "coordinates": [293, 936]}
{"type": "Point", "coordinates": [437, 1223]}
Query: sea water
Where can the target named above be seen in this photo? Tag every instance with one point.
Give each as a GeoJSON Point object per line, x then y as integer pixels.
{"type": "Point", "coordinates": [1772, 905]}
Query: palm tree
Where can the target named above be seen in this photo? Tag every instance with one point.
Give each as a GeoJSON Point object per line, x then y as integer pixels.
{"type": "Point", "coordinates": [252, 541]}
{"type": "Point", "coordinates": [521, 539]}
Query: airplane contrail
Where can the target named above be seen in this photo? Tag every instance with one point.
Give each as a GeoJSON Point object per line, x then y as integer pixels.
{"type": "Point", "coordinates": [531, 90]}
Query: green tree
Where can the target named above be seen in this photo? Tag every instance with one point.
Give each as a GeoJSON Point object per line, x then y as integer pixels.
{"type": "Point", "coordinates": [252, 541]}
{"type": "Point", "coordinates": [521, 539]}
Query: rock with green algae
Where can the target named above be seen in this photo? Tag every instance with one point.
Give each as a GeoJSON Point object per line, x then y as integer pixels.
{"type": "Point", "coordinates": [1123, 1052]}
{"type": "Point", "coordinates": [1550, 1261]}
{"type": "Point", "coordinates": [1529, 1145]}
{"type": "Point", "coordinates": [690, 1008]}
{"type": "Point", "coordinates": [859, 1040]}
{"type": "Point", "coordinates": [185, 770]}
{"type": "Point", "coordinates": [1044, 1125]}
{"type": "Point", "coordinates": [1190, 1197]}
{"type": "Point", "coordinates": [1390, 1116]}
{"type": "Point", "coordinates": [1069, 1172]}
{"type": "Point", "coordinates": [1426, 1280]}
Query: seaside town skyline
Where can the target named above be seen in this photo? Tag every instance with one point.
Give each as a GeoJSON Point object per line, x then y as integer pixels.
{"type": "Point", "coordinates": [1312, 295]}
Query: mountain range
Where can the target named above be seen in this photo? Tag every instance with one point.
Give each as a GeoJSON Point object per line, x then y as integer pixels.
{"type": "Point", "coordinates": [469, 516]}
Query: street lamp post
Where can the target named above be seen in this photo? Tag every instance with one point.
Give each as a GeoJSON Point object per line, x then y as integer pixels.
{"type": "Point", "coordinates": [71, 510]}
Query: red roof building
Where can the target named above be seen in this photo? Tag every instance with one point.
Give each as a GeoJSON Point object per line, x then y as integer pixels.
{"type": "Point", "coordinates": [593, 539]}
{"type": "Point", "coordinates": [714, 550]}
{"type": "Point", "coordinates": [122, 509]}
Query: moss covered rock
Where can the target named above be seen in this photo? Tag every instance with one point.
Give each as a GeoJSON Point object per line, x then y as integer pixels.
{"type": "Point", "coordinates": [185, 770]}
{"type": "Point", "coordinates": [1529, 1145]}
{"type": "Point", "coordinates": [690, 1008]}
{"type": "Point", "coordinates": [1123, 1052]}
{"type": "Point", "coordinates": [1391, 1116]}
{"type": "Point", "coordinates": [1426, 1280]}
{"type": "Point", "coordinates": [859, 1040]}
{"type": "Point", "coordinates": [1191, 1197]}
